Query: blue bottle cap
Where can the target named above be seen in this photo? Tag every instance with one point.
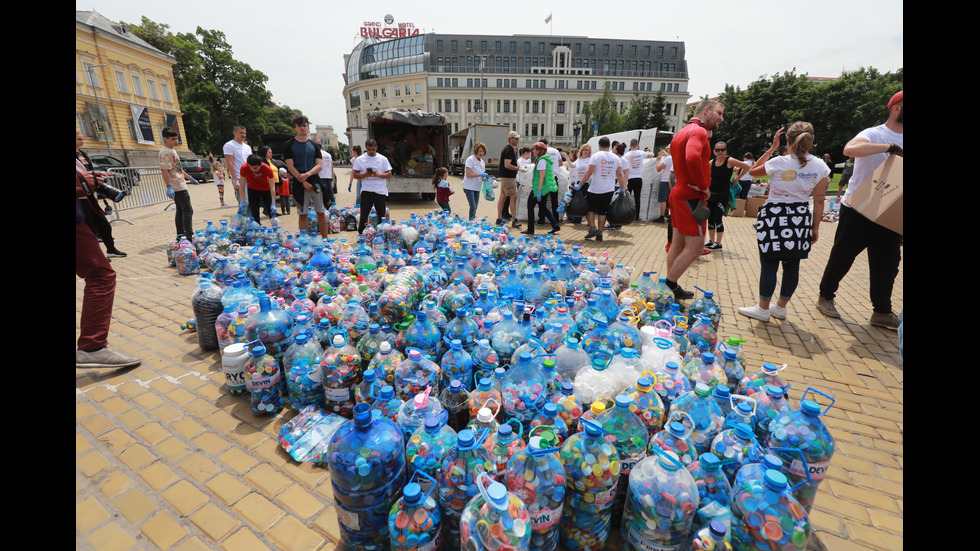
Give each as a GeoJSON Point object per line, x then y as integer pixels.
{"type": "Point", "coordinates": [455, 385]}
{"type": "Point", "coordinates": [362, 416]}
{"type": "Point", "coordinates": [717, 528]}
{"type": "Point", "coordinates": [551, 410]}
{"type": "Point", "coordinates": [677, 429]}
{"type": "Point", "coordinates": [465, 438]}
{"type": "Point", "coordinates": [484, 384]}
{"type": "Point", "coordinates": [771, 462]}
{"type": "Point", "coordinates": [744, 407]}
{"type": "Point", "coordinates": [709, 461]}
{"type": "Point", "coordinates": [498, 495]}
{"type": "Point", "coordinates": [643, 381]}
{"type": "Point", "coordinates": [729, 355]}
{"type": "Point", "coordinates": [743, 431]}
{"type": "Point", "coordinates": [567, 388]}
{"type": "Point", "coordinates": [809, 407]}
{"type": "Point", "coordinates": [387, 392]}
{"type": "Point", "coordinates": [672, 366]}
{"type": "Point", "coordinates": [432, 424]}
{"type": "Point", "coordinates": [722, 391]}
{"type": "Point", "coordinates": [505, 431]}
{"type": "Point", "coordinates": [370, 375]}
{"type": "Point", "coordinates": [708, 358]}
{"type": "Point", "coordinates": [623, 401]}
{"type": "Point", "coordinates": [774, 391]}
{"type": "Point", "coordinates": [412, 493]}
{"type": "Point", "coordinates": [775, 480]}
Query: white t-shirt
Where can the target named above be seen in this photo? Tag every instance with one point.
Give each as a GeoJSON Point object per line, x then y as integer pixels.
{"type": "Point", "coordinates": [746, 177]}
{"type": "Point", "coordinates": [668, 162]}
{"type": "Point", "coordinates": [791, 183]}
{"type": "Point", "coordinates": [327, 171]}
{"type": "Point", "coordinates": [555, 157]}
{"type": "Point", "coordinates": [477, 166]}
{"type": "Point", "coordinates": [380, 164]}
{"type": "Point", "coordinates": [864, 167]}
{"type": "Point", "coordinates": [523, 161]}
{"type": "Point", "coordinates": [635, 158]}
{"type": "Point", "coordinates": [241, 151]}
{"type": "Point", "coordinates": [604, 174]}
{"type": "Point", "coordinates": [581, 165]}
{"type": "Point", "coordinates": [626, 166]}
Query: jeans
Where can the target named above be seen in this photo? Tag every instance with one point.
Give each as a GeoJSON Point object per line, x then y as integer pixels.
{"type": "Point", "coordinates": [532, 201]}
{"type": "Point", "coordinates": [855, 233]}
{"type": "Point", "coordinates": [184, 214]}
{"type": "Point", "coordinates": [473, 198]}
{"type": "Point", "coordinates": [444, 205]}
{"type": "Point", "coordinates": [371, 199]}
{"type": "Point", "coordinates": [92, 265]}
{"type": "Point", "coordinates": [767, 279]}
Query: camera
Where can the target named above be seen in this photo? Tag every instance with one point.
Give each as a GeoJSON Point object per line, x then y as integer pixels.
{"type": "Point", "coordinates": [105, 191]}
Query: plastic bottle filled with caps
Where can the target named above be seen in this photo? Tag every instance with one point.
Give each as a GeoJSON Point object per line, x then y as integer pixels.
{"type": "Point", "coordinates": [536, 476]}
{"type": "Point", "coordinates": [660, 508]}
{"type": "Point", "coordinates": [494, 519]}
{"type": "Point", "coordinates": [457, 483]}
{"type": "Point", "coordinates": [766, 516]}
{"type": "Point", "coordinates": [591, 475]}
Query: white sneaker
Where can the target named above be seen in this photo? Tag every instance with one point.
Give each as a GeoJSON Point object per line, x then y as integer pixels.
{"type": "Point", "coordinates": [755, 312]}
{"type": "Point", "coordinates": [105, 357]}
{"type": "Point", "coordinates": [777, 311]}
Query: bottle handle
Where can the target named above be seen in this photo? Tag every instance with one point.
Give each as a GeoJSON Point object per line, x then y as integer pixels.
{"type": "Point", "coordinates": [806, 467]}
{"type": "Point", "coordinates": [481, 485]}
{"type": "Point", "coordinates": [518, 433]}
{"type": "Point", "coordinates": [680, 413]}
{"type": "Point", "coordinates": [432, 486]}
{"type": "Point", "coordinates": [742, 398]}
{"type": "Point", "coordinates": [542, 451]}
{"type": "Point", "coordinates": [832, 400]}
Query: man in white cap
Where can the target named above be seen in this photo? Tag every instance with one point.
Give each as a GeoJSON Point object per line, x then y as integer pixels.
{"type": "Point", "coordinates": [508, 179]}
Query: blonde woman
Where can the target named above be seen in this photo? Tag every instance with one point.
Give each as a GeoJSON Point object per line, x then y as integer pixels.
{"type": "Point", "coordinates": [786, 229]}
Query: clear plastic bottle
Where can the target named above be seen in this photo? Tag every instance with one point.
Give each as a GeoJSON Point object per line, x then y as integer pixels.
{"type": "Point", "coordinates": [772, 404]}
{"type": "Point", "coordinates": [413, 412]}
{"type": "Point", "coordinates": [675, 438]}
{"type": "Point", "coordinates": [386, 403]}
{"type": "Point", "coordinates": [456, 363]}
{"type": "Point", "coordinates": [483, 395]}
{"type": "Point", "coordinates": [263, 378]}
{"type": "Point", "coordinates": [591, 475]}
{"type": "Point", "coordinates": [732, 367]}
{"type": "Point", "coordinates": [207, 306]}
{"type": "Point", "coordinates": [366, 485]}
{"type": "Point", "coordinates": [703, 369]}
{"type": "Point", "coordinates": [707, 417]}
{"type": "Point", "coordinates": [739, 445]}
{"type": "Point", "coordinates": [524, 385]}
{"type": "Point", "coordinates": [273, 327]}
{"type": "Point", "coordinates": [457, 484]}
{"type": "Point", "coordinates": [663, 499]}
{"type": "Point", "coordinates": [503, 444]}
{"type": "Point", "coordinates": [570, 358]}
{"type": "Point", "coordinates": [304, 380]}
{"type": "Point", "coordinates": [547, 417]}
{"type": "Point", "coordinates": [304, 348]}
{"type": "Point", "coordinates": [536, 476]}
{"type": "Point", "coordinates": [767, 375]}
{"type": "Point", "coordinates": [341, 366]}
{"type": "Point", "coordinates": [415, 373]}
{"type": "Point", "coordinates": [767, 517]}
{"type": "Point", "coordinates": [415, 522]}
{"type": "Point", "coordinates": [646, 404]}
{"type": "Point", "coordinates": [365, 391]}
{"type": "Point", "coordinates": [495, 519]}
{"type": "Point", "coordinates": [711, 538]}
{"type": "Point", "coordinates": [626, 431]}
{"type": "Point", "coordinates": [803, 430]}
{"type": "Point", "coordinates": [425, 447]}
{"type": "Point", "coordinates": [385, 362]}
{"type": "Point", "coordinates": [706, 306]}
{"type": "Point", "coordinates": [569, 407]}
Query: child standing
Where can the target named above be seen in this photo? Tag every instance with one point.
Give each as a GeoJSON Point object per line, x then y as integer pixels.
{"type": "Point", "coordinates": [283, 191]}
{"type": "Point", "coordinates": [442, 188]}
{"type": "Point", "coordinates": [219, 182]}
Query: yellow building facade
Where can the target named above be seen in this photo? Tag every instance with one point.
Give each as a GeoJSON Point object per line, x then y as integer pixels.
{"type": "Point", "coordinates": [124, 92]}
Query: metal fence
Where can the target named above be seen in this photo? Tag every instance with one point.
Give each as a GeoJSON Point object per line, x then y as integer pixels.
{"type": "Point", "coordinates": [144, 186]}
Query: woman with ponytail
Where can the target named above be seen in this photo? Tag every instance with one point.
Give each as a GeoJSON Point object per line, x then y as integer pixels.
{"type": "Point", "coordinates": [786, 228]}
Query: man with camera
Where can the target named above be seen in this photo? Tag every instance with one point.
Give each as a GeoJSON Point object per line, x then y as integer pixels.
{"type": "Point", "coordinates": [173, 175]}
{"type": "Point", "coordinates": [91, 264]}
{"type": "Point", "coordinates": [95, 217]}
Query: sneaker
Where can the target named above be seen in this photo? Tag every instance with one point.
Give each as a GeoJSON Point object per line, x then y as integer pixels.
{"type": "Point", "coordinates": [714, 246]}
{"type": "Point", "coordinates": [887, 321]}
{"type": "Point", "coordinates": [706, 251]}
{"type": "Point", "coordinates": [106, 357]}
{"type": "Point", "coordinates": [777, 311]}
{"type": "Point", "coordinates": [115, 253]}
{"type": "Point", "coordinates": [528, 232]}
{"type": "Point", "coordinates": [555, 229]}
{"type": "Point", "coordinates": [755, 312]}
{"type": "Point", "coordinates": [615, 227]}
{"type": "Point", "coordinates": [826, 307]}
{"type": "Point", "coordinates": [516, 224]}
{"type": "Point", "coordinates": [598, 236]}
{"type": "Point", "coordinates": [592, 233]}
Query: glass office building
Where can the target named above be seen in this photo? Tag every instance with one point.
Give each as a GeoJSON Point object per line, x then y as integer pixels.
{"type": "Point", "coordinates": [536, 84]}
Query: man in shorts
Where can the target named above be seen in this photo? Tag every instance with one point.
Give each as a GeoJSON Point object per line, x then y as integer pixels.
{"type": "Point", "coordinates": [665, 166]}
{"type": "Point", "coordinates": [304, 160]}
{"type": "Point", "coordinates": [606, 170]}
{"type": "Point", "coordinates": [691, 151]}
{"type": "Point", "coordinates": [508, 179]}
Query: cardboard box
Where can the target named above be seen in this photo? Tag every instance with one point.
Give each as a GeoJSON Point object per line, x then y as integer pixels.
{"type": "Point", "coordinates": [752, 205]}
{"type": "Point", "coordinates": [739, 209]}
{"type": "Point", "coordinates": [880, 197]}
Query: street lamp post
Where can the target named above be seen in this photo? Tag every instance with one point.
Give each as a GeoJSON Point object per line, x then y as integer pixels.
{"type": "Point", "coordinates": [577, 127]}
{"type": "Point", "coordinates": [95, 91]}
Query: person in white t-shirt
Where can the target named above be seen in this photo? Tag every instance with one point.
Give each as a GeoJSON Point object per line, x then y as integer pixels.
{"type": "Point", "coordinates": [604, 173]}
{"type": "Point", "coordinates": [373, 170]}
{"type": "Point", "coordinates": [855, 233]}
{"type": "Point", "coordinates": [634, 178]}
{"type": "Point", "coordinates": [665, 166]}
{"type": "Point", "coordinates": [236, 151]}
{"type": "Point", "coordinates": [475, 170]}
{"type": "Point", "coordinates": [327, 185]}
{"type": "Point", "coordinates": [744, 178]}
{"type": "Point", "coordinates": [785, 228]}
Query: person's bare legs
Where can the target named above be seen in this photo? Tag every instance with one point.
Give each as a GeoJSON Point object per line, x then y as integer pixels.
{"type": "Point", "coordinates": [682, 253]}
{"type": "Point", "coordinates": [321, 222]}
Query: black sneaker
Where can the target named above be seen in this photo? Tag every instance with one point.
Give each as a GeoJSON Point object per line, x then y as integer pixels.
{"type": "Point", "coordinates": [115, 253]}
{"type": "Point", "coordinates": [528, 232]}
{"type": "Point", "coordinates": [592, 233]}
{"type": "Point", "coordinates": [555, 229]}
{"type": "Point", "coordinates": [498, 222]}
{"type": "Point", "coordinates": [598, 236]}
{"type": "Point", "coordinates": [681, 294]}
{"type": "Point", "coordinates": [713, 246]}
{"type": "Point", "coordinates": [516, 224]}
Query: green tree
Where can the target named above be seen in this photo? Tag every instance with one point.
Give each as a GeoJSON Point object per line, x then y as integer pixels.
{"type": "Point", "coordinates": [215, 90]}
{"type": "Point", "coordinates": [603, 111]}
{"type": "Point", "coordinates": [647, 111]}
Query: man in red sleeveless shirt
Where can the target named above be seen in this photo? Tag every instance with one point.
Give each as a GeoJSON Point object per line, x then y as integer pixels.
{"type": "Point", "coordinates": [691, 151]}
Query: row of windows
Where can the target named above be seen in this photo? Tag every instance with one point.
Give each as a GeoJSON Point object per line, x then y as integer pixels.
{"type": "Point", "coordinates": [129, 84]}
{"type": "Point", "coordinates": [496, 64]}
{"type": "Point", "coordinates": [559, 84]}
{"type": "Point", "coordinates": [393, 49]}
{"type": "Point", "coordinates": [355, 95]}
{"type": "Point", "coordinates": [620, 49]}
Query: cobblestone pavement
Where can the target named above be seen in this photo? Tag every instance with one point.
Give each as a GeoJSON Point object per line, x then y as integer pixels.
{"type": "Point", "coordinates": [165, 459]}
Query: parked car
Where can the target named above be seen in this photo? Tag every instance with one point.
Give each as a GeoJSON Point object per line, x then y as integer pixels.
{"type": "Point", "coordinates": [125, 176]}
{"type": "Point", "coordinates": [198, 167]}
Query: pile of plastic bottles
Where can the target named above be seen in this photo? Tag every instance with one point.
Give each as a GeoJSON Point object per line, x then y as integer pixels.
{"type": "Point", "coordinates": [500, 392]}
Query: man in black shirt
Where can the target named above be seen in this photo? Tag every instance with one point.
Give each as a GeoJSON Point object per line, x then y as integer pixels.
{"type": "Point", "coordinates": [508, 179]}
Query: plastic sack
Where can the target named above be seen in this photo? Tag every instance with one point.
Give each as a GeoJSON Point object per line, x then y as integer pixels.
{"type": "Point", "coordinates": [488, 193]}
{"type": "Point", "coordinates": [622, 210]}
{"type": "Point", "coordinates": [579, 206]}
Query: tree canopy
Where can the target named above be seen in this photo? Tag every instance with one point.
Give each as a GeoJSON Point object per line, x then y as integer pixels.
{"type": "Point", "coordinates": [216, 91]}
{"type": "Point", "coordinates": [837, 109]}
{"type": "Point", "coordinates": [645, 111]}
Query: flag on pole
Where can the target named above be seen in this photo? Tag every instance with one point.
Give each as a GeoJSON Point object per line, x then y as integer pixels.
{"type": "Point", "coordinates": [548, 20]}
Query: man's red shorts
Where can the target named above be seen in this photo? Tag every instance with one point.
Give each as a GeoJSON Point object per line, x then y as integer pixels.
{"type": "Point", "coordinates": [682, 217]}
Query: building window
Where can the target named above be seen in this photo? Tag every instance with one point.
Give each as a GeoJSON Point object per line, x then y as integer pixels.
{"type": "Point", "coordinates": [454, 45]}
{"type": "Point", "coordinates": [660, 51]}
{"type": "Point", "coordinates": [513, 83]}
{"type": "Point", "coordinates": [483, 45]}
{"type": "Point", "coordinates": [506, 106]}
{"type": "Point", "coordinates": [646, 50]}
{"type": "Point", "coordinates": [384, 92]}
{"type": "Point", "coordinates": [534, 106]}
{"type": "Point", "coordinates": [578, 107]}
{"type": "Point", "coordinates": [374, 93]}
{"type": "Point", "coordinates": [121, 82]}
{"type": "Point", "coordinates": [165, 91]}
{"type": "Point", "coordinates": [418, 88]}
{"type": "Point", "coordinates": [439, 82]}
{"type": "Point", "coordinates": [469, 44]}
{"type": "Point", "coordinates": [398, 91]}
{"type": "Point", "coordinates": [138, 86]}
{"type": "Point", "coordinates": [619, 49]}
{"type": "Point", "coordinates": [559, 130]}
{"type": "Point", "coordinates": [578, 48]}
{"type": "Point", "coordinates": [592, 49]}
{"type": "Point", "coordinates": [534, 129]}
{"type": "Point", "coordinates": [513, 47]}
{"type": "Point", "coordinates": [559, 107]}
{"type": "Point", "coordinates": [673, 52]}
{"type": "Point", "coordinates": [633, 49]}
{"type": "Point", "coordinates": [605, 49]}
{"type": "Point", "coordinates": [527, 47]}
{"type": "Point", "coordinates": [455, 83]}
{"type": "Point", "coordinates": [439, 44]}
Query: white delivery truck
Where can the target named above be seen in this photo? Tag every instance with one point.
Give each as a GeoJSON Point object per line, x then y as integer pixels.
{"type": "Point", "coordinates": [415, 143]}
{"type": "Point", "coordinates": [493, 135]}
{"type": "Point", "coordinates": [652, 140]}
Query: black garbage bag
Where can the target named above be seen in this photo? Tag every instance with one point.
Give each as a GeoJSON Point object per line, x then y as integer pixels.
{"type": "Point", "coordinates": [622, 210]}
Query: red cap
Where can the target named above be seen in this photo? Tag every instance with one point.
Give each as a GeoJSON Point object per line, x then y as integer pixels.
{"type": "Point", "coordinates": [895, 99]}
